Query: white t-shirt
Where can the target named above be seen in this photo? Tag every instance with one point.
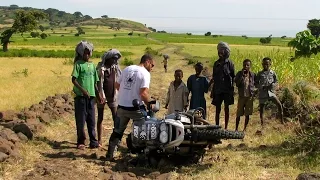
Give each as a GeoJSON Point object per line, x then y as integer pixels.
{"type": "Point", "coordinates": [131, 80]}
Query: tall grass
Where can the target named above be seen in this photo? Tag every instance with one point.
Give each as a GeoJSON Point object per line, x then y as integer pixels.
{"type": "Point", "coordinates": [287, 71]}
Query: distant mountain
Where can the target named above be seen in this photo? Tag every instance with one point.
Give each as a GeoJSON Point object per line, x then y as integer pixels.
{"type": "Point", "coordinates": [63, 19]}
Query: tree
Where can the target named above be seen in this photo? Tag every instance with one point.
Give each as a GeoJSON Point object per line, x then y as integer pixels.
{"type": "Point", "coordinates": [305, 44]}
{"type": "Point", "coordinates": [208, 34]}
{"type": "Point", "coordinates": [80, 30]}
{"type": "Point", "coordinates": [87, 17]}
{"type": "Point", "coordinates": [13, 6]}
{"type": "Point", "coordinates": [266, 40]}
{"type": "Point", "coordinates": [34, 34]}
{"type": "Point", "coordinates": [24, 21]}
{"type": "Point", "coordinates": [43, 35]}
{"type": "Point", "coordinates": [104, 16]}
{"type": "Point", "coordinates": [314, 26]}
{"type": "Point", "coordinates": [78, 14]}
{"type": "Point", "coordinates": [41, 28]}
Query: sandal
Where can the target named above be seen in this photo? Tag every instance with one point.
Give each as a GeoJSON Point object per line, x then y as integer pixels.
{"type": "Point", "coordinates": [81, 146]}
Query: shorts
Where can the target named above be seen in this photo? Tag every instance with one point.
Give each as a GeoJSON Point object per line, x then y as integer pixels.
{"type": "Point", "coordinates": [245, 106]}
{"type": "Point", "coordinates": [165, 66]}
{"type": "Point", "coordinates": [227, 98]}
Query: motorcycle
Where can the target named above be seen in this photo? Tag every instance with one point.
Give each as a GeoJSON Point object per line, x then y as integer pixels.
{"type": "Point", "coordinates": [183, 135]}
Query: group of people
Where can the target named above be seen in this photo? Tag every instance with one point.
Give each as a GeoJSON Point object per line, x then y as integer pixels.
{"type": "Point", "coordinates": [107, 84]}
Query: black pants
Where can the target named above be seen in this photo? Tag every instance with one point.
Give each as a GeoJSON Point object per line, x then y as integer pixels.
{"type": "Point", "coordinates": [85, 113]}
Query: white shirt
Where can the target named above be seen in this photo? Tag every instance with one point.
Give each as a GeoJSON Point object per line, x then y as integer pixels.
{"type": "Point", "coordinates": [132, 79]}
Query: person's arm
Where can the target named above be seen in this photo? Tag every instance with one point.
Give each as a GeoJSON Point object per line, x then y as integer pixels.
{"type": "Point", "coordinates": [168, 97]}
{"type": "Point", "coordinates": [232, 73]}
{"type": "Point", "coordinates": [275, 81]}
{"type": "Point", "coordinates": [84, 92]}
{"type": "Point", "coordinates": [206, 85]}
{"type": "Point", "coordinates": [212, 77]}
{"type": "Point", "coordinates": [239, 79]}
{"type": "Point", "coordinates": [185, 98]}
{"type": "Point", "coordinates": [144, 94]}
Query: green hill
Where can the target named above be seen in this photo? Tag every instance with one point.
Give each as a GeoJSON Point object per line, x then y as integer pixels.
{"type": "Point", "coordinates": [59, 18]}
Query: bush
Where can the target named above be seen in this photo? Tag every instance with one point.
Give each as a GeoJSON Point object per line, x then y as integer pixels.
{"type": "Point", "coordinates": [266, 40]}
{"type": "Point", "coordinates": [215, 35]}
{"type": "Point", "coordinates": [192, 61]}
{"type": "Point", "coordinates": [127, 62]}
{"type": "Point", "coordinates": [151, 51]}
{"type": "Point", "coordinates": [77, 34]}
{"type": "Point", "coordinates": [189, 34]}
{"type": "Point", "coordinates": [43, 35]}
{"type": "Point", "coordinates": [115, 35]}
{"type": "Point", "coordinates": [245, 36]}
{"type": "Point", "coordinates": [34, 34]}
{"type": "Point", "coordinates": [283, 37]}
{"type": "Point", "coordinates": [207, 34]}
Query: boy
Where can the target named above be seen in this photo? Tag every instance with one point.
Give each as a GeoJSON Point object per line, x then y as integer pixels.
{"type": "Point", "coordinates": [165, 62]}
{"type": "Point", "coordinates": [245, 82]}
{"type": "Point", "coordinates": [223, 74]}
{"type": "Point", "coordinates": [177, 96]}
{"type": "Point", "coordinates": [108, 71]}
{"type": "Point", "coordinates": [84, 78]}
{"type": "Point", "coordinates": [198, 85]}
{"type": "Point", "coordinates": [266, 82]}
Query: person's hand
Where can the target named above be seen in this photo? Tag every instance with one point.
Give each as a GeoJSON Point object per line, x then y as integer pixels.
{"type": "Point", "coordinates": [101, 99]}
{"type": "Point", "coordinates": [86, 94]}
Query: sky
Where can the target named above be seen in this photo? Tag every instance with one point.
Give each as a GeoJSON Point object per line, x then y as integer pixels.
{"type": "Point", "coordinates": [228, 17]}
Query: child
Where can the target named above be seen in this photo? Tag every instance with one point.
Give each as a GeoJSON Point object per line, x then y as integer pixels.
{"type": "Point", "coordinates": [198, 85]}
{"type": "Point", "coordinates": [245, 82]}
{"type": "Point", "coordinates": [108, 71]}
{"type": "Point", "coordinates": [165, 62]}
{"type": "Point", "coordinates": [177, 96]}
{"type": "Point", "coordinates": [223, 73]}
{"type": "Point", "coordinates": [266, 82]}
{"type": "Point", "coordinates": [84, 78]}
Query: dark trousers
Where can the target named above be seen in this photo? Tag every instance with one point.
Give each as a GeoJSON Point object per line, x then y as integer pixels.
{"type": "Point", "coordinates": [85, 113]}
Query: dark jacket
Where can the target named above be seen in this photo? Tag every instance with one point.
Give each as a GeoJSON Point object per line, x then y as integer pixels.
{"type": "Point", "coordinates": [223, 77]}
{"type": "Point", "coordinates": [239, 80]}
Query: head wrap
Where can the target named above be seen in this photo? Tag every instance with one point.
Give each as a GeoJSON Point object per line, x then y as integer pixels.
{"type": "Point", "coordinates": [224, 46]}
{"type": "Point", "coordinates": [111, 54]}
{"type": "Point", "coordinates": [80, 49]}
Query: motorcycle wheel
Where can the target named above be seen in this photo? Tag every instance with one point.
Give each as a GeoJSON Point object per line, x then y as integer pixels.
{"type": "Point", "coordinates": [214, 134]}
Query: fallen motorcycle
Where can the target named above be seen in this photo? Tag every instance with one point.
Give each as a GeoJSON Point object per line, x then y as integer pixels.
{"type": "Point", "coordinates": [183, 135]}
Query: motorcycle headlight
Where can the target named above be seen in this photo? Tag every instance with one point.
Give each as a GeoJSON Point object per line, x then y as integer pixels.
{"type": "Point", "coordinates": [163, 137]}
{"type": "Point", "coordinates": [163, 126]}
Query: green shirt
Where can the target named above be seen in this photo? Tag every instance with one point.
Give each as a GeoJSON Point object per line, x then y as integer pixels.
{"type": "Point", "coordinates": [86, 75]}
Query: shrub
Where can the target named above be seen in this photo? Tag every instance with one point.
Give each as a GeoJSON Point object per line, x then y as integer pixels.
{"type": "Point", "coordinates": [43, 35]}
{"type": "Point", "coordinates": [207, 34]}
{"type": "Point", "coordinates": [34, 34]}
{"type": "Point", "coordinates": [151, 51]}
{"type": "Point", "coordinates": [127, 62]}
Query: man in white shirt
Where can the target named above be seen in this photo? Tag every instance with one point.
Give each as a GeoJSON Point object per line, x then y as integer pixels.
{"type": "Point", "coordinates": [133, 84]}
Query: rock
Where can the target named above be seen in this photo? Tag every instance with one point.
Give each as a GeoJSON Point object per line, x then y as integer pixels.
{"type": "Point", "coordinates": [23, 128]}
{"type": "Point", "coordinates": [66, 97]}
{"type": "Point", "coordinates": [3, 156]}
{"type": "Point", "coordinates": [258, 133]}
{"type": "Point", "coordinates": [30, 115]}
{"type": "Point", "coordinates": [242, 145]}
{"type": "Point", "coordinates": [103, 176]}
{"type": "Point", "coordinates": [107, 170]}
{"type": "Point", "coordinates": [262, 146]}
{"type": "Point", "coordinates": [58, 103]}
{"type": "Point", "coordinates": [15, 154]}
{"type": "Point", "coordinates": [154, 175]}
{"type": "Point", "coordinates": [165, 176]}
{"type": "Point", "coordinates": [116, 176]}
{"type": "Point", "coordinates": [5, 148]}
{"type": "Point", "coordinates": [22, 136]}
{"type": "Point", "coordinates": [42, 102]}
{"type": "Point", "coordinates": [128, 176]}
{"type": "Point", "coordinates": [36, 107]}
{"type": "Point", "coordinates": [44, 118]}
{"type": "Point", "coordinates": [8, 115]}
{"type": "Point", "coordinates": [11, 124]}
{"type": "Point", "coordinates": [5, 141]}
{"type": "Point", "coordinates": [9, 135]}
{"type": "Point", "coordinates": [229, 146]}
{"type": "Point", "coordinates": [308, 176]}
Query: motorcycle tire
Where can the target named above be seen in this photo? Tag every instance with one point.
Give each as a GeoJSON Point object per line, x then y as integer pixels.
{"type": "Point", "coordinates": [216, 134]}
